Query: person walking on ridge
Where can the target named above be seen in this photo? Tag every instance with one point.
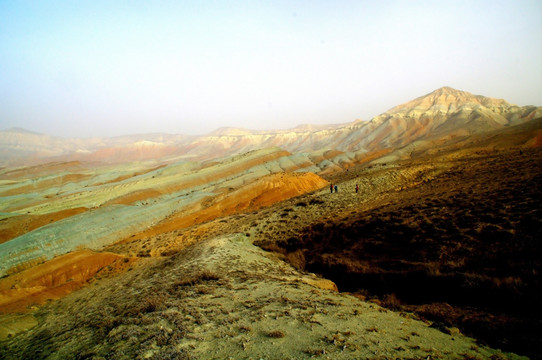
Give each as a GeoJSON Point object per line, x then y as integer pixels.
{"type": "Point", "coordinates": [331, 188]}
{"type": "Point", "coordinates": [357, 188]}
{"type": "Point", "coordinates": [336, 189]}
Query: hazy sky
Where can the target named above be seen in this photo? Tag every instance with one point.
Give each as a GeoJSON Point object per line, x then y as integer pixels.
{"type": "Point", "coordinates": [105, 68]}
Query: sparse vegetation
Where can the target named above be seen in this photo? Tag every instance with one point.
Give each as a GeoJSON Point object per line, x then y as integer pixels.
{"type": "Point", "coordinates": [197, 279]}
{"type": "Point", "coordinates": [447, 240]}
{"type": "Point", "coordinates": [277, 334]}
{"type": "Point", "coordinates": [316, 201]}
{"type": "Point", "coordinates": [315, 352]}
{"type": "Point", "coordinates": [400, 249]}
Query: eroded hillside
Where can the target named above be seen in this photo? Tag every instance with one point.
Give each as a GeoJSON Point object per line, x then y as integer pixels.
{"type": "Point", "coordinates": [428, 236]}
{"type": "Point", "coordinates": [456, 240]}
{"type": "Point", "coordinates": [45, 215]}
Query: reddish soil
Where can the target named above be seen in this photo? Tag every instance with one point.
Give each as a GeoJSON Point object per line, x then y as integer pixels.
{"type": "Point", "coordinates": [135, 196]}
{"type": "Point", "coordinates": [56, 278]}
{"type": "Point", "coordinates": [42, 170]}
{"type": "Point", "coordinates": [373, 155]}
{"type": "Point", "coordinates": [129, 176]}
{"type": "Point", "coordinates": [261, 193]}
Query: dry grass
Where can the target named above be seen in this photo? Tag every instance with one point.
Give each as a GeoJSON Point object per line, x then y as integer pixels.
{"type": "Point", "coordinates": [198, 278]}
{"type": "Point", "coordinates": [277, 334]}
{"type": "Point", "coordinates": [466, 236]}
{"type": "Point", "coordinates": [315, 352]}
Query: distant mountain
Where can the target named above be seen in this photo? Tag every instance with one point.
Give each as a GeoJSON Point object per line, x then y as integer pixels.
{"type": "Point", "coordinates": [445, 112]}
{"type": "Point", "coordinates": [17, 143]}
{"type": "Point", "coordinates": [19, 146]}
{"type": "Point", "coordinates": [20, 130]}
{"type": "Point", "coordinates": [304, 128]}
{"type": "Point", "coordinates": [138, 151]}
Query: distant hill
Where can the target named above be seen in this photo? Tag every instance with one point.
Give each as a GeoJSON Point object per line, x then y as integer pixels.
{"type": "Point", "coordinates": [443, 113]}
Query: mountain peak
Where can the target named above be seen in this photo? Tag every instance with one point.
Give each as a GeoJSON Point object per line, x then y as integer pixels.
{"type": "Point", "coordinates": [447, 99]}
{"type": "Point", "coordinates": [448, 91]}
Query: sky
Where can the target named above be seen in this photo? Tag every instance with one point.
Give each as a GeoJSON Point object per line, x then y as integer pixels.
{"type": "Point", "coordinates": [108, 68]}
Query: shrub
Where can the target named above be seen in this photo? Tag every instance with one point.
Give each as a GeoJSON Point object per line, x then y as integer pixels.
{"type": "Point", "coordinates": [197, 278]}
{"type": "Point", "coordinates": [277, 334]}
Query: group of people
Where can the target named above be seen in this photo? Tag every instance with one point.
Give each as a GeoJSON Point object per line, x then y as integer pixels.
{"type": "Point", "coordinates": [334, 187]}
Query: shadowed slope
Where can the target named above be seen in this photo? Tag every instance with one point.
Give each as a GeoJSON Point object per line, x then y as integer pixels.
{"type": "Point", "coordinates": [456, 241]}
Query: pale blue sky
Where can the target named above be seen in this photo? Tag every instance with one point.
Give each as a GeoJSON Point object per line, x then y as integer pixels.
{"type": "Point", "coordinates": [105, 68]}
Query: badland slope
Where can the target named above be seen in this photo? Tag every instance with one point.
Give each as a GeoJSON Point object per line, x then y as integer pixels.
{"type": "Point", "coordinates": [46, 214]}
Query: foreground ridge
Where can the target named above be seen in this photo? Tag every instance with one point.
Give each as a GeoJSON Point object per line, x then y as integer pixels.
{"type": "Point", "coordinates": [225, 298]}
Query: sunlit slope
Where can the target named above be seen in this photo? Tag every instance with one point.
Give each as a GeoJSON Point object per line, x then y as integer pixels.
{"type": "Point", "coordinates": [55, 279]}
{"type": "Point", "coordinates": [109, 205]}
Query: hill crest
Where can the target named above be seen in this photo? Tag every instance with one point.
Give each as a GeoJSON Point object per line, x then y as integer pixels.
{"type": "Point", "coordinates": [447, 99]}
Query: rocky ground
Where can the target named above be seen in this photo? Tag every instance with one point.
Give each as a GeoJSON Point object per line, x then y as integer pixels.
{"type": "Point", "coordinates": [224, 298]}
{"type": "Point", "coordinates": [449, 241]}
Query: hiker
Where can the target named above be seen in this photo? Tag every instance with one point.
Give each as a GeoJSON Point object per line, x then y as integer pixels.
{"type": "Point", "coordinates": [336, 189]}
{"type": "Point", "coordinates": [357, 188]}
{"type": "Point", "coordinates": [331, 188]}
